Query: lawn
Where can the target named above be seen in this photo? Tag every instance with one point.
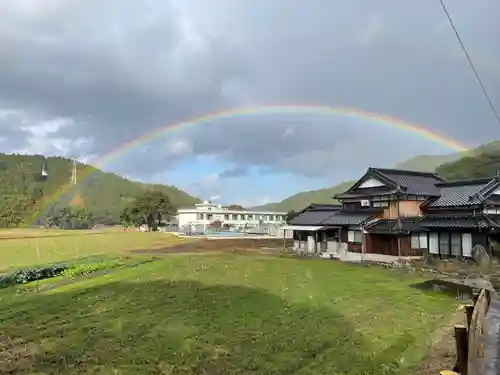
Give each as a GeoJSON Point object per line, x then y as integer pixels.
{"type": "Point", "coordinates": [223, 314]}
{"type": "Point", "coordinates": [28, 247]}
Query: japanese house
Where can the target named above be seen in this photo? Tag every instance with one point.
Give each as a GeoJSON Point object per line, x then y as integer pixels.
{"type": "Point", "coordinates": [403, 213]}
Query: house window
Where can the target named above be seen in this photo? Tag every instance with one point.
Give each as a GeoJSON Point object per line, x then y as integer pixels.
{"type": "Point", "coordinates": [419, 241]}
{"type": "Point", "coordinates": [200, 216]}
{"type": "Point", "coordinates": [235, 217]}
{"type": "Point", "coordinates": [250, 217]}
{"type": "Point", "coordinates": [332, 235]}
{"type": "Point", "coordinates": [456, 244]}
{"type": "Point", "coordinates": [210, 216]}
{"type": "Point", "coordinates": [415, 243]}
{"type": "Point", "coordinates": [423, 240]}
{"type": "Point", "coordinates": [226, 217]}
{"type": "Point", "coordinates": [242, 217]}
{"type": "Point", "coordinates": [354, 236]}
{"type": "Point", "coordinates": [271, 217]}
{"type": "Point", "coordinates": [444, 243]}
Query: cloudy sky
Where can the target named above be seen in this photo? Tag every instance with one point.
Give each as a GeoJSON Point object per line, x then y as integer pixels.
{"type": "Point", "coordinates": [82, 77]}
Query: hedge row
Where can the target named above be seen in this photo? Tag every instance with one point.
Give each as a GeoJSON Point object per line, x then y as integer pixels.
{"type": "Point", "coordinates": [33, 274]}
{"type": "Point", "coordinates": [30, 274]}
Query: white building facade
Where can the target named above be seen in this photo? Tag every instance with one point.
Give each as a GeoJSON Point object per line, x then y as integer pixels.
{"type": "Point", "coordinates": [206, 213]}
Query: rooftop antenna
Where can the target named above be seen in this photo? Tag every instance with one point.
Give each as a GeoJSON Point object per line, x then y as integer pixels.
{"type": "Point", "coordinates": [73, 173]}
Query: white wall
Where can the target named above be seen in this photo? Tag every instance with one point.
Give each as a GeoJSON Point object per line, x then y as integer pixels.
{"type": "Point", "coordinates": [371, 182]}
{"type": "Point", "coordinates": [186, 217]}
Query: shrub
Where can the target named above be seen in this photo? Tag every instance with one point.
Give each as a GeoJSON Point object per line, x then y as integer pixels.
{"type": "Point", "coordinates": [30, 274]}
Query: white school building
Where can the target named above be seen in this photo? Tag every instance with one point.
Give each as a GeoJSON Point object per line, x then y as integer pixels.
{"type": "Point", "coordinates": [205, 213]}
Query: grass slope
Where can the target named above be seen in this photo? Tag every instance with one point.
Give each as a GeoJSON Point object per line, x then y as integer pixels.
{"type": "Point", "coordinates": [104, 194]}
{"type": "Point", "coordinates": [29, 247]}
{"type": "Point", "coordinates": [223, 315]}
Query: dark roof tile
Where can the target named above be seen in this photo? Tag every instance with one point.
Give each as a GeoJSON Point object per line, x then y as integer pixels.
{"type": "Point", "coordinates": [412, 182]}
{"type": "Point", "coordinates": [311, 217]}
{"type": "Point", "coordinates": [464, 193]}
{"type": "Point", "coordinates": [454, 221]}
{"type": "Point", "coordinates": [348, 218]}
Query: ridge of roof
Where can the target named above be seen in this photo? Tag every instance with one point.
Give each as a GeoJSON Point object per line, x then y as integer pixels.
{"type": "Point", "coordinates": [405, 172]}
{"type": "Point", "coordinates": [468, 181]}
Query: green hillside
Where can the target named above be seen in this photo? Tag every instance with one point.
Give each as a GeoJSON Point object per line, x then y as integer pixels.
{"type": "Point", "coordinates": [25, 193]}
{"type": "Point", "coordinates": [427, 163]}
{"type": "Point", "coordinates": [482, 165]}
{"type": "Point", "coordinates": [479, 161]}
{"type": "Point", "coordinates": [298, 201]}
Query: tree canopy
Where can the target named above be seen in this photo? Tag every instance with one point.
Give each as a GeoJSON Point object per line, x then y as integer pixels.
{"type": "Point", "coordinates": [149, 209]}
{"type": "Point", "coordinates": [481, 165]}
{"type": "Point", "coordinates": [27, 196]}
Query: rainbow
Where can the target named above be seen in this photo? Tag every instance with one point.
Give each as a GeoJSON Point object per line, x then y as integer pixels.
{"type": "Point", "coordinates": [261, 110]}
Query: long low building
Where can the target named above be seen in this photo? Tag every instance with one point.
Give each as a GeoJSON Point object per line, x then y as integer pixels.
{"type": "Point", "coordinates": [207, 213]}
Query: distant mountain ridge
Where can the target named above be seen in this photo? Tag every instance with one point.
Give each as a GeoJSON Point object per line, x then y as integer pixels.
{"type": "Point", "coordinates": [105, 195]}
{"type": "Point", "coordinates": [446, 165]}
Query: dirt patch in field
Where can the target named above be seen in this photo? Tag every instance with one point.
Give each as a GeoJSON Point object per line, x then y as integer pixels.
{"type": "Point", "coordinates": [17, 357]}
{"type": "Point", "coordinates": [206, 245]}
{"type": "Point", "coordinates": [442, 352]}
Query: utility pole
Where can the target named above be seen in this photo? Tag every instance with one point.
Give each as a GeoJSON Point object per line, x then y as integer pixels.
{"type": "Point", "coordinates": [73, 173]}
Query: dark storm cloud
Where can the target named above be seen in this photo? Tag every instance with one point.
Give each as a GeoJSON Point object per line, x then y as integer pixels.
{"type": "Point", "coordinates": [120, 69]}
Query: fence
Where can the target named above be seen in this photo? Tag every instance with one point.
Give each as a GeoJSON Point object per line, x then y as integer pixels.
{"type": "Point", "coordinates": [470, 338]}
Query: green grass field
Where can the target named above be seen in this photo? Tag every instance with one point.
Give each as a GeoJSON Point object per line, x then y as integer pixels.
{"type": "Point", "coordinates": [219, 314]}
{"type": "Point", "coordinates": [28, 247]}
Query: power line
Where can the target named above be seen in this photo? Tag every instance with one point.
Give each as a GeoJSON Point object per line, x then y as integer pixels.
{"type": "Point", "coordinates": [483, 88]}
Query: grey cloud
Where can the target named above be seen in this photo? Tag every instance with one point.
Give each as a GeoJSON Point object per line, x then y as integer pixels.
{"type": "Point", "coordinates": [237, 171]}
{"type": "Point", "coordinates": [124, 68]}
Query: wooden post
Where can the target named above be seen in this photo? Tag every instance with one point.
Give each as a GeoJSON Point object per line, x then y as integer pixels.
{"type": "Point", "coordinates": [469, 310]}
{"type": "Point", "coordinates": [475, 297]}
{"type": "Point", "coordinates": [315, 242]}
{"type": "Point", "coordinates": [284, 240]}
{"type": "Point", "coordinates": [362, 244]}
{"type": "Point", "coordinates": [462, 346]}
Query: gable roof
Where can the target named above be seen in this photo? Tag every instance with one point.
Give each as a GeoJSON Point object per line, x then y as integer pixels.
{"type": "Point", "coordinates": [349, 218]}
{"type": "Point", "coordinates": [331, 215]}
{"type": "Point", "coordinates": [407, 182]}
{"type": "Point", "coordinates": [465, 192]}
{"type": "Point", "coordinates": [315, 214]}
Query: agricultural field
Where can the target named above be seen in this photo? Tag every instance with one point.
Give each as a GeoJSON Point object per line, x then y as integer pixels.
{"type": "Point", "coordinates": [29, 247]}
{"type": "Point", "coordinates": [226, 313]}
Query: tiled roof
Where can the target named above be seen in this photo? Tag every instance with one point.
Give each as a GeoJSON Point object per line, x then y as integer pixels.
{"type": "Point", "coordinates": [412, 182]}
{"type": "Point", "coordinates": [311, 217]}
{"type": "Point", "coordinates": [321, 207]}
{"type": "Point", "coordinates": [409, 182]}
{"type": "Point", "coordinates": [455, 222]}
{"type": "Point", "coordinates": [463, 193]}
{"type": "Point", "coordinates": [348, 218]}
{"type": "Point", "coordinates": [388, 226]}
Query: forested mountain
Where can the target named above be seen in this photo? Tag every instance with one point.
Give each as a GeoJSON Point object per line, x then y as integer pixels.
{"type": "Point", "coordinates": [26, 195]}
{"type": "Point", "coordinates": [482, 165]}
